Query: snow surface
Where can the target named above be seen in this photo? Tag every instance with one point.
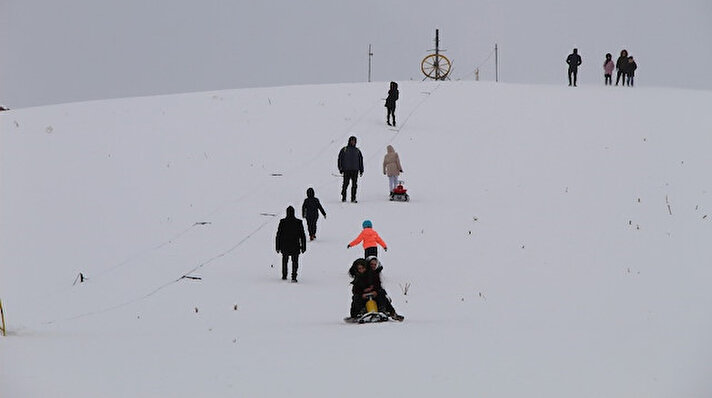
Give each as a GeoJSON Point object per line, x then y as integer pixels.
{"type": "Point", "coordinates": [556, 244]}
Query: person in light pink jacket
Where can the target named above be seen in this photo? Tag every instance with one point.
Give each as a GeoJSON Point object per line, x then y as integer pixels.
{"type": "Point", "coordinates": [392, 167]}
{"type": "Point", "coordinates": [608, 67]}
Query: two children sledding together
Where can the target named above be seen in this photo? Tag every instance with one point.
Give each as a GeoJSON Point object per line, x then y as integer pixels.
{"type": "Point", "coordinates": [366, 274]}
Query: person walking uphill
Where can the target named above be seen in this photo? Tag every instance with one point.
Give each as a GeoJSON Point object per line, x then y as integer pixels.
{"type": "Point", "coordinates": [350, 165]}
{"type": "Point", "coordinates": [392, 168]}
{"type": "Point", "coordinates": [290, 241]}
{"type": "Point", "coordinates": [370, 240]}
{"type": "Point", "coordinates": [310, 210]}
{"type": "Point", "coordinates": [391, 104]}
{"type": "Point", "coordinates": [574, 60]}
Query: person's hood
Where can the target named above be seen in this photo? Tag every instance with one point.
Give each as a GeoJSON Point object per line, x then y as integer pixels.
{"type": "Point", "coordinates": [390, 149]}
{"type": "Point", "coordinates": [290, 212]}
{"type": "Point", "coordinates": [310, 193]}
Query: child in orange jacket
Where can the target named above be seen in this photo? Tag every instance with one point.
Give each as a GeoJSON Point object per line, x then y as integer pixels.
{"type": "Point", "coordinates": [370, 240]}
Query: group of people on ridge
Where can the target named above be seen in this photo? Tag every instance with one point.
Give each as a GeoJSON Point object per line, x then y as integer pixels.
{"type": "Point", "coordinates": [625, 64]}
{"type": "Point", "coordinates": [626, 69]}
{"type": "Point", "coordinates": [291, 239]}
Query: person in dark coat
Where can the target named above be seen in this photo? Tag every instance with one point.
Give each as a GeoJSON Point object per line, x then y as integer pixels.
{"type": "Point", "coordinates": [574, 60]}
{"type": "Point", "coordinates": [310, 211]}
{"type": "Point", "coordinates": [391, 103]}
{"type": "Point", "coordinates": [384, 302]}
{"type": "Point", "coordinates": [350, 165]}
{"type": "Point", "coordinates": [362, 285]}
{"type": "Point", "coordinates": [290, 241]}
{"type": "Point", "coordinates": [621, 65]}
{"type": "Point", "coordinates": [630, 71]}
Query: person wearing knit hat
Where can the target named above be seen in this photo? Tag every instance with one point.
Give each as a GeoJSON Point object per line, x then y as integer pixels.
{"type": "Point", "coordinates": [370, 239]}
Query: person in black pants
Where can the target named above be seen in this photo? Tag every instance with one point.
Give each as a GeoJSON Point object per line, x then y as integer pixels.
{"type": "Point", "coordinates": [350, 163]}
{"type": "Point", "coordinates": [630, 71]}
{"type": "Point", "coordinates": [290, 241]}
{"type": "Point", "coordinates": [391, 103]}
{"type": "Point", "coordinates": [622, 65]}
{"type": "Point", "coordinates": [384, 302]}
{"type": "Point", "coordinates": [363, 285]}
{"type": "Point", "coordinates": [310, 210]}
{"type": "Point", "coordinates": [574, 60]}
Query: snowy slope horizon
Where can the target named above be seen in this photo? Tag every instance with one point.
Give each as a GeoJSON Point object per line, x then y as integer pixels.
{"type": "Point", "coordinates": [556, 243]}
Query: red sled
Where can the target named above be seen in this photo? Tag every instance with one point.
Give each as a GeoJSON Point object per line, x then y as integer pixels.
{"type": "Point", "coordinates": [400, 193]}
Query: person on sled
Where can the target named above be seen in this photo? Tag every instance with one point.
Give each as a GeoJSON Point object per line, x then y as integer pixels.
{"type": "Point", "coordinates": [362, 286]}
{"type": "Point", "coordinates": [383, 301]}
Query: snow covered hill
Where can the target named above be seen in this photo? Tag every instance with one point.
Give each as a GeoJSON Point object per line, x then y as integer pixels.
{"type": "Point", "coordinates": [556, 244]}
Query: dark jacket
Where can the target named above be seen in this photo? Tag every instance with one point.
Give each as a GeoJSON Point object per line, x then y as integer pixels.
{"type": "Point", "coordinates": [574, 60]}
{"type": "Point", "coordinates": [392, 97]}
{"type": "Point", "coordinates": [311, 206]}
{"type": "Point", "coordinates": [291, 238]}
{"type": "Point", "coordinates": [365, 283]}
{"type": "Point", "coordinates": [350, 159]}
{"type": "Point", "coordinates": [622, 62]}
{"type": "Point", "coordinates": [630, 68]}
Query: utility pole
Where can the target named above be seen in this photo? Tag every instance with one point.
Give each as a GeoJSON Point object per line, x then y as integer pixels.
{"type": "Point", "coordinates": [496, 63]}
{"type": "Point", "coordinates": [370, 54]}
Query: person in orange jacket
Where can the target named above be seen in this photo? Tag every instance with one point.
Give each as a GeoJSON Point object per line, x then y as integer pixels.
{"type": "Point", "coordinates": [370, 240]}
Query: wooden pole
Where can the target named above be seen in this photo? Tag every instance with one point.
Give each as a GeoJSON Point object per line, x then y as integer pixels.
{"type": "Point", "coordinates": [2, 315]}
{"type": "Point", "coordinates": [370, 54]}
{"type": "Point", "coordinates": [496, 63]}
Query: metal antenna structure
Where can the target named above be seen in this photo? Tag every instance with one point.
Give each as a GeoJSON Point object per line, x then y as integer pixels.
{"type": "Point", "coordinates": [436, 66]}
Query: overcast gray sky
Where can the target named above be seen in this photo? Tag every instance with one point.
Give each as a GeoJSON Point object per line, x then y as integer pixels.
{"type": "Point", "coordinates": [75, 50]}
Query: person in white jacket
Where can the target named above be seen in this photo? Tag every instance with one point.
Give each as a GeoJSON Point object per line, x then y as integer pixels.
{"type": "Point", "coordinates": [392, 167]}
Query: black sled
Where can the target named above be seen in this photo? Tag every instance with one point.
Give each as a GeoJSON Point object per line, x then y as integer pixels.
{"type": "Point", "coordinates": [372, 314]}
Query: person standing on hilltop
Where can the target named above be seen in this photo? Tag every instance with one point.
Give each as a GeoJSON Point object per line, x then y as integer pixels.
{"type": "Point", "coordinates": [574, 60]}
{"type": "Point", "coordinates": [622, 64]}
{"type": "Point", "coordinates": [630, 71]}
{"type": "Point", "coordinates": [608, 67]}
{"type": "Point", "coordinates": [350, 163]}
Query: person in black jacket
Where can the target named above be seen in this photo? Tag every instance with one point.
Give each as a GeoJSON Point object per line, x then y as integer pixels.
{"type": "Point", "coordinates": [391, 103]}
{"type": "Point", "coordinates": [310, 210]}
{"type": "Point", "coordinates": [384, 302]}
{"type": "Point", "coordinates": [621, 65]}
{"type": "Point", "coordinates": [290, 241]}
{"type": "Point", "coordinates": [574, 60]}
{"type": "Point", "coordinates": [630, 71]}
{"type": "Point", "coordinates": [350, 163]}
{"type": "Point", "coordinates": [362, 286]}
